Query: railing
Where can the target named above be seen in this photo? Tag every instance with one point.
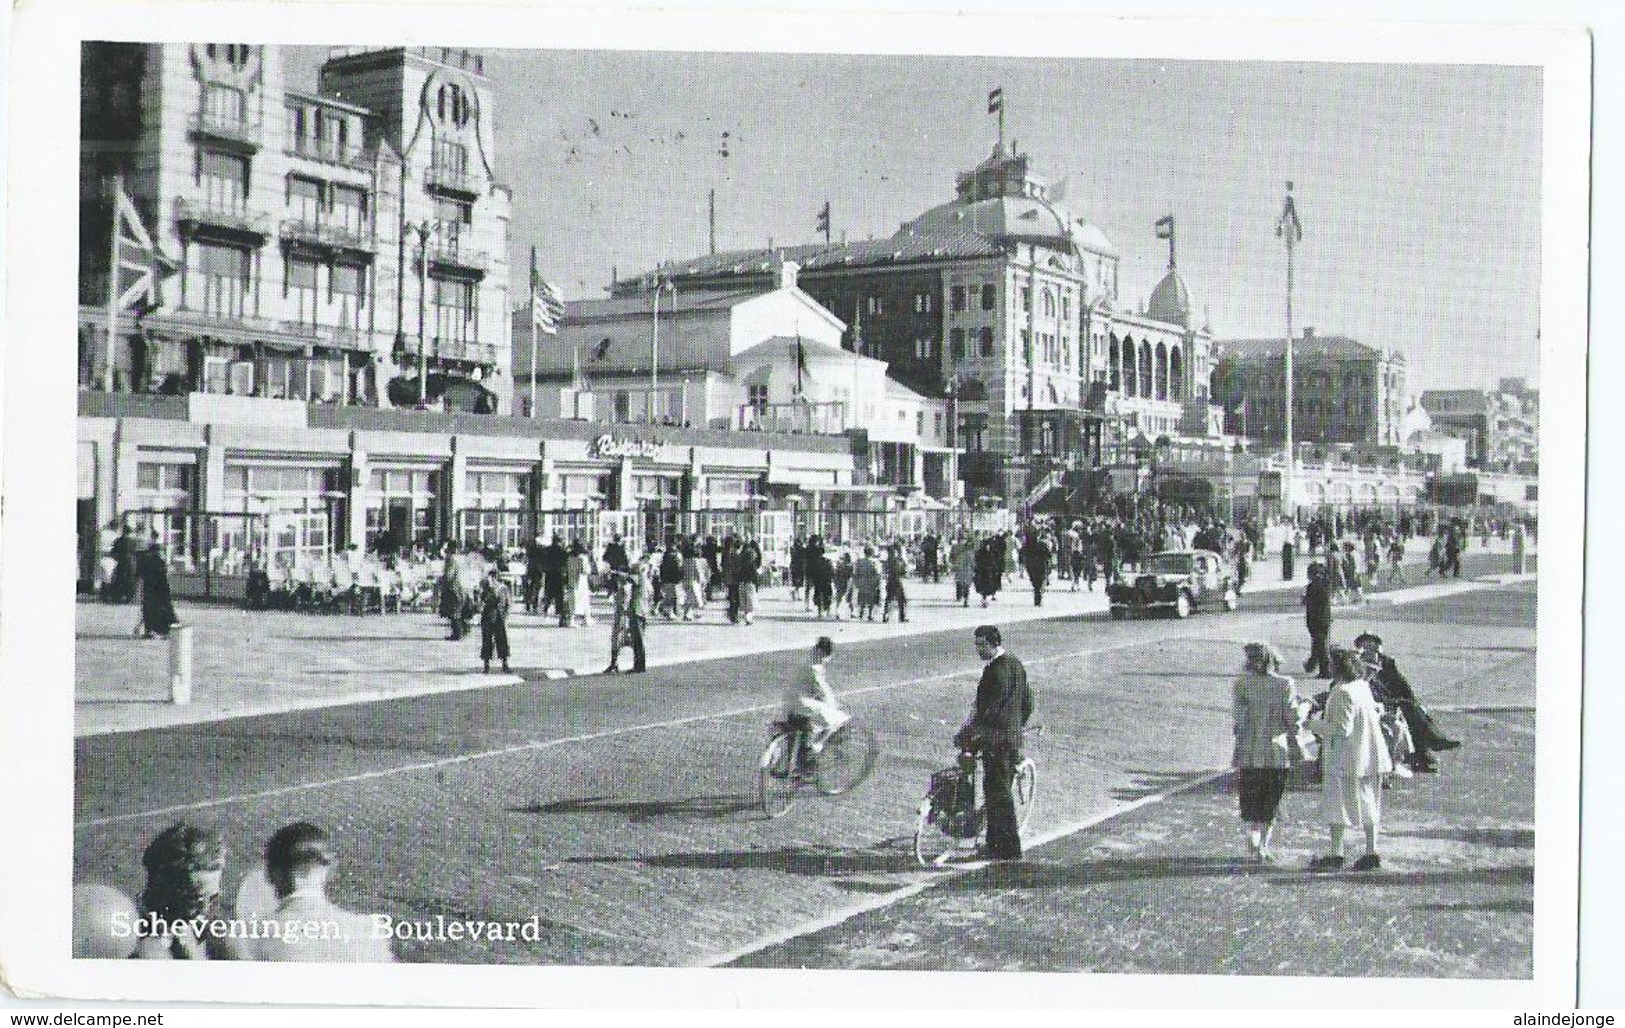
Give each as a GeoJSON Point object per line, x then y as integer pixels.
{"type": "Point", "coordinates": [328, 233]}
{"type": "Point", "coordinates": [449, 349]}
{"type": "Point", "coordinates": [456, 180]}
{"type": "Point", "coordinates": [446, 251]}
{"type": "Point", "coordinates": [202, 212]}
{"type": "Point", "coordinates": [346, 336]}
{"type": "Point", "coordinates": [330, 152]}
{"type": "Point", "coordinates": [828, 418]}
{"type": "Point", "coordinates": [245, 130]}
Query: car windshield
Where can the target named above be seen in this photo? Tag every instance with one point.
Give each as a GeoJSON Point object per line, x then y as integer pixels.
{"type": "Point", "coordinates": [1170, 564]}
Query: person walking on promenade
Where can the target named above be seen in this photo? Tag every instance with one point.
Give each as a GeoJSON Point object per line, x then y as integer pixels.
{"type": "Point", "coordinates": [615, 556]}
{"type": "Point", "coordinates": [695, 583]}
{"type": "Point", "coordinates": [1264, 712]}
{"type": "Point", "coordinates": [1396, 558]}
{"type": "Point", "coordinates": [495, 600]}
{"type": "Point", "coordinates": [554, 558]}
{"type": "Point", "coordinates": [844, 573]}
{"type": "Point", "coordinates": [157, 604]}
{"type": "Point", "coordinates": [638, 608]}
{"type": "Point", "coordinates": [930, 554]}
{"type": "Point", "coordinates": [1035, 557]}
{"type": "Point", "coordinates": [896, 572]}
{"type": "Point", "coordinates": [1288, 554]}
{"type": "Point", "coordinates": [963, 557]}
{"type": "Point", "coordinates": [711, 553]}
{"type": "Point", "coordinates": [454, 592]}
{"type": "Point", "coordinates": [620, 603]}
{"type": "Point", "coordinates": [1351, 574]}
{"type": "Point", "coordinates": [1004, 704]}
{"type": "Point", "coordinates": [820, 577]}
{"type": "Point", "coordinates": [671, 579]}
{"type": "Point", "coordinates": [798, 568]}
{"type": "Point", "coordinates": [729, 558]}
{"type": "Point", "coordinates": [1317, 604]}
{"type": "Point", "coordinates": [989, 568]}
{"type": "Point", "coordinates": [1454, 543]}
{"type": "Point", "coordinates": [126, 554]}
{"type": "Point", "coordinates": [1354, 759]}
{"type": "Point", "coordinates": [866, 584]}
{"type": "Point", "coordinates": [1106, 548]}
{"type": "Point", "coordinates": [535, 563]}
{"type": "Point", "coordinates": [298, 859]}
{"type": "Point", "coordinates": [1074, 553]}
{"type": "Point", "coordinates": [749, 560]}
{"type": "Point", "coordinates": [578, 585]}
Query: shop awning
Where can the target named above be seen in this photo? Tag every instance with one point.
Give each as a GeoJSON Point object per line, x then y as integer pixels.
{"type": "Point", "coordinates": [806, 478]}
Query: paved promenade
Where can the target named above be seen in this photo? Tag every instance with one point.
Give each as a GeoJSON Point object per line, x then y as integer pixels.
{"type": "Point", "coordinates": [257, 662]}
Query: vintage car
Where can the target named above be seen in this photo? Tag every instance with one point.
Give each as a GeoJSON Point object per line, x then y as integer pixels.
{"type": "Point", "coordinates": [1179, 580]}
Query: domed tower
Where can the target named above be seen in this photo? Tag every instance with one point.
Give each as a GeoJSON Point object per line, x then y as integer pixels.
{"type": "Point", "coordinates": [1170, 301]}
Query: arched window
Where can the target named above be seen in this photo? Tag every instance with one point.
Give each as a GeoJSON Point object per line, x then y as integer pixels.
{"type": "Point", "coordinates": [1159, 372]}
{"type": "Point", "coordinates": [1131, 376]}
{"type": "Point", "coordinates": [1114, 358]}
{"type": "Point", "coordinates": [1147, 375]}
{"type": "Point", "coordinates": [1049, 303]}
{"type": "Point", "coordinates": [452, 105]}
{"type": "Point", "coordinates": [1176, 375]}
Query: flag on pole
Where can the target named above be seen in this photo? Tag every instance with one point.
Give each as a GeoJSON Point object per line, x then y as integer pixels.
{"type": "Point", "coordinates": [1288, 226]}
{"type": "Point", "coordinates": [1165, 227]}
{"type": "Point", "coordinates": [801, 363]}
{"type": "Point", "coordinates": [546, 307]}
{"type": "Point", "coordinates": [138, 265]}
{"type": "Point", "coordinates": [995, 100]}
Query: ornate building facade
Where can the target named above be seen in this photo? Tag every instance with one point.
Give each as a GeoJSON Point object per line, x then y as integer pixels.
{"type": "Point", "coordinates": [1343, 391]}
{"type": "Point", "coordinates": [342, 245]}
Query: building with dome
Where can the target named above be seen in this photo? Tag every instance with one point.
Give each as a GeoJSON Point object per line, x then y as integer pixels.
{"type": "Point", "coordinates": [1004, 302]}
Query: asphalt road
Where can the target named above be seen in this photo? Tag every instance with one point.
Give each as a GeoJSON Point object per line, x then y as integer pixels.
{"type": "Point", "coordinates": [621, 811]}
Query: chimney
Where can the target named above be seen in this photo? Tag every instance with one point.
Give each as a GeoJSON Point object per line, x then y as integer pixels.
{"type": "Point", "coordinates": [787, 274]}
{"type": "Point", "coordinates": [1308, 332]}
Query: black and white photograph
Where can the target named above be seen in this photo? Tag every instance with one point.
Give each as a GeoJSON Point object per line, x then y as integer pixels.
{"type": "Point", "coordinates": [731, 503]}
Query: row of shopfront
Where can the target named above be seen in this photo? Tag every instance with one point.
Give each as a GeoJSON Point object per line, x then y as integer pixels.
{"type": "Point", "coordinates": [226, 485]}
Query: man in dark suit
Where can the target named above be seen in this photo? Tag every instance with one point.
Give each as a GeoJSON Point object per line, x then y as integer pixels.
{"type": "Point", "coordinates": [554, 557]}
{"type": "Point", "coordinates": [1390, 687]}
{"type": "Point", "coordinates": [1317, 603]}
{"type": "Point", "coordinates": [1035, 557]}
{"type": "Point", "coordinates": [1004, 703]}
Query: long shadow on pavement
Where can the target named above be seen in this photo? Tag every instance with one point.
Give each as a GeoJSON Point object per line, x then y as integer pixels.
{"type": "Point", "coordinates": [640, 811]}
{"type": "Point", "coordinates": [1150, 783]}
{"type": "Point", "coordinates": [1520, 838]}
{"type": "Point", "coordinates": [813, 861]}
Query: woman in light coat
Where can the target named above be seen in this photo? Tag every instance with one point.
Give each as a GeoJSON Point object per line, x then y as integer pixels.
{"type": "Point", "coordinates": [1355, 759]}
{"type": "Point", "coordinates": [694, 579]}
{"type": "Point", "coordinates": [578, 584]}
{"type": "Point", "coordinates": [1264, 706]}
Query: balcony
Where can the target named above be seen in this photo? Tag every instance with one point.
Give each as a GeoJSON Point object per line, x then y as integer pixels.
{"type": "Point", "coordinates": [441, 178]}
{"type": "Point", "coordinates": [450, 254]}
{"type": "Point", "coordinates": [443, 349]}
{"type": "Point", "coordinates": [225, 218]}
{"type": "Point", "coordinates": [328, 151]}
{"type": "Point", "coordinates": [801, 418]}
{"type": "Point", "coordinates": [338, 337]}
{"type": "Point", "coordinates": [329, 235]}
{"type": "Point", "coordinates": [239, 134]}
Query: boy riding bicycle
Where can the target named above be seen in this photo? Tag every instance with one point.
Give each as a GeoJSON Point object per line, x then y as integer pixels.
{"type": "Point", "coordinates": [809, 701]}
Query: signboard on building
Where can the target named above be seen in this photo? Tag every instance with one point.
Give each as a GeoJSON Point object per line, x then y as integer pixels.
{"type": "Point", "coordinates": [607, 447]}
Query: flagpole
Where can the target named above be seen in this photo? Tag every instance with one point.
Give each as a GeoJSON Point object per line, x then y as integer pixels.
{"type": "Point", "coordinates": [1290, 235]}
{"type": "Point", "coordinates": [112, 290]}
{"type": "Point", "coordinates": [654, 352]}
{"type": "Point", "coordinates": [535, 333]}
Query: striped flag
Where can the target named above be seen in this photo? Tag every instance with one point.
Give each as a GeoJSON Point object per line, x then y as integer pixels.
{"type": "Point", "coordinates": [138, 264]}
{"type": "Point", "coordinates": [546, 307]}
{"type": "Point", "coordinates": [995, 100]}
{"type": "Point", "coordinates": [1165, 227]}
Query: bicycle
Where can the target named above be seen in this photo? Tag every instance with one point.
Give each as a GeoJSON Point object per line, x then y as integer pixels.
{"type": "Point", "coordinates": [953, 815]}
{"type": "Point", "coordinates": [844, 763]}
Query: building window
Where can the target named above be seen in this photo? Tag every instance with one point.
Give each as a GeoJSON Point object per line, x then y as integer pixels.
{"type": "Point", "coordinates": [877, 305]}
{"type": "Point", "coordinates": [224, 106]}
{"type": "Point", "coordinates": [758, 397]}
{"type": "Point", "coordinates": [1026, 300]}
{"type": "Point", "coordinates": [225, 181]}
{"type": "Point", "coordinates": [922, 303]}
{"type": "Point", "coordinates": [350, 209]}
{"type": "Point", "coordinates": [451, 217]}
{"type": "Point", "coordinates": [305, 199]}
{"type": "Point", "coordinates": [956, 343]}
{"type": "Point", "coordinates": [990, 296]}
{"type": "Point", "coordinates": [450, 157]}
{"type": "Point", "coordinates": [1049, 304]}
{"type": "Point", "coordinates": [919, 423]}
{"type": "Point", "coordinates": [1066, 306]}
{"type": "Point", "coordinates": [300, 284]}
{"type": "Point", "coordinates": [452, 105]}
{"type": "Point", "coordinates": [345, 292]}
{"type": "Point", "coordinates": [222, 276]}
{"type": "Point", "coordinates": [456, 310]}
{"type": "Point", "coordinates": [936, 424]}
{"type": "Point", "coordinates": [985, 341]}
{"type": "Point", "coordinates": [402, 503]}
{"type": "Point", "coordinates": [956, 298]}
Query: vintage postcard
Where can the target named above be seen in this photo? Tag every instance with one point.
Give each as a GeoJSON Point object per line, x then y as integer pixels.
{"type": "Point", "coordinates": [602, 507]}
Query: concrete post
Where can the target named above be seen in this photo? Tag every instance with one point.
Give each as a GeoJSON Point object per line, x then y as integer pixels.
{"type": "Point", "coordinates": [180, 665]}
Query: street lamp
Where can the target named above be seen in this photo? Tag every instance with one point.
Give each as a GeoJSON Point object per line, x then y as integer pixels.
{"type": "Point", "coordinates": [424, 229]}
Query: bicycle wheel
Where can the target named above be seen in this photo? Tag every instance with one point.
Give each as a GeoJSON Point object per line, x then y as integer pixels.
{"type": "Point", "coordinates": [847, 759]}
{"type": "Point", "coordinates": [933, 846]}
{"type": "Point", "coordinates": [776, 777]}
{"type": "Point", "coordinates": [1025, 790]}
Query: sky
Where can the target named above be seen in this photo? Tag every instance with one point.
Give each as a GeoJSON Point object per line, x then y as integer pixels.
{"type": "Point", "coordinates": [1418, 185]}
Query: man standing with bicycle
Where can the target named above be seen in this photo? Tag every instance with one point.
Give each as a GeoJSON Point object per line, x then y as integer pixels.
{"type": "Point", "coordinates": [1004, 703]}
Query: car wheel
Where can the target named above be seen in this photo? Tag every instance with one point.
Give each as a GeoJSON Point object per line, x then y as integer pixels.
{"type": "Point", "coordinates": [1183, 605]}
{"type": "Point", "coordinates": [1231, 600]}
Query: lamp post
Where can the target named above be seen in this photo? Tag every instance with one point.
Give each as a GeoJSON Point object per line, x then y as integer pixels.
{"type": "Point", "coordinates": [424, 229]}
